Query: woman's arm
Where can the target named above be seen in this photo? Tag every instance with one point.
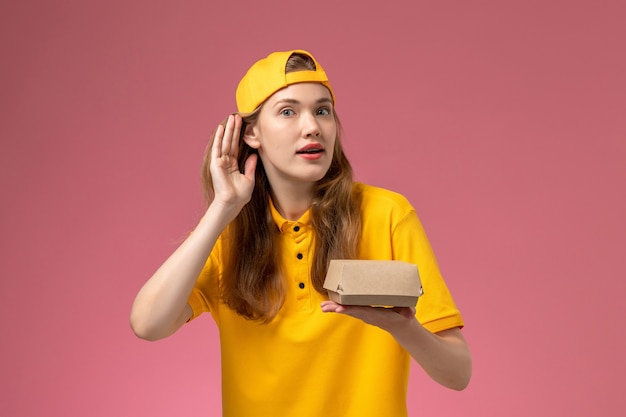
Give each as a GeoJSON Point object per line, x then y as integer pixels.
{"type": "Point", "coordinates": [444, 356]}
{"type": "Point", "coordinates": [161, 307]}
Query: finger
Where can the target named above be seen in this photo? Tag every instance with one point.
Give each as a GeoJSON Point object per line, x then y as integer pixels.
{"type": "Point", "coordinates": [238, 122]}
{"type": "Point", "coordinates": [216, 149]}
{"type": "Point", "coordinates": [228, 136]}
{"type": "Point", "coordinates": [406, 312]}
{"type": "Point", "coordinates": [331, 307]}
{"type": "Point", "coordinates": [230, 145]}
{"type": "Point", "coordinates": [250, 166]}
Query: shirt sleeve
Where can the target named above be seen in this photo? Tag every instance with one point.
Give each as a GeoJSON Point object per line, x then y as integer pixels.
{"type": "Point", "coordinates": [204, 297]}
{"type": "Point", "coordinates": [436, 309]}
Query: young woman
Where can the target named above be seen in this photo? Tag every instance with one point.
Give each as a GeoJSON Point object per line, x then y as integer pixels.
{"type": "Point", "coordinates": [282, 204]}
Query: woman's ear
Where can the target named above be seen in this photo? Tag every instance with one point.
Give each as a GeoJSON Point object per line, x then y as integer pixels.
{"type": "Point", "coordinates": [251, 136]}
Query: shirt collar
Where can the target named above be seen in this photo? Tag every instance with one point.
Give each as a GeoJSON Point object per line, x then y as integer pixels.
{"type": "Point", "coordinates": [284, 224]}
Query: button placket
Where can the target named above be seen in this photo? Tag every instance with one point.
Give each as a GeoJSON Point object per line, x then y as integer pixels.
{"type": "Point", "coordinates": [299, 255]}
{"type": "Point", "coordinates": [299, 237]}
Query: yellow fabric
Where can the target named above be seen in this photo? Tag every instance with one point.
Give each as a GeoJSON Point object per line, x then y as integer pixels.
{"type": "Point", "coordinates": [267, 76]}
{"type": "Point", "coordinates": [309, 363]}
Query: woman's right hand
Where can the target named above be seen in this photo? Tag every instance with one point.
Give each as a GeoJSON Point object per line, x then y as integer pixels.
{"type": "Point", "coordinates": [232, 189]}
{"type": "Point", "coordinates": [161, 306]}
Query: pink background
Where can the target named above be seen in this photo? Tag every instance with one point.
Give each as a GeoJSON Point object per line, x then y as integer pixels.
{"type": "Point", "coordinates": [503, 122]}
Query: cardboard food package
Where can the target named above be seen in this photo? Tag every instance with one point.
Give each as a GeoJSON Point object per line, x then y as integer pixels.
{"type": "Point", "coordinates": [373, 283]}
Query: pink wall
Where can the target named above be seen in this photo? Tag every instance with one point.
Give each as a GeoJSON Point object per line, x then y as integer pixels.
{"type": "Point", "coordinates": [503, 122]}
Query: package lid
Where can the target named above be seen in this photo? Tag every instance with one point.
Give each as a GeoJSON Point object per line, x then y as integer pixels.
{"type": "Point", "coordinates": [373, 282]}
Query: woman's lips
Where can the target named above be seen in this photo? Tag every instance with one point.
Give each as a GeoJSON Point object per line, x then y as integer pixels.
{"type": "Point", "coordinates": [311, 151]}
{"type": "Point", "coordinates": [312, 148]}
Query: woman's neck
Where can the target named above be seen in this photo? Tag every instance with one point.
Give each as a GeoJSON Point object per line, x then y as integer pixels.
{"type": "Point", "coordinates": [292, 201]}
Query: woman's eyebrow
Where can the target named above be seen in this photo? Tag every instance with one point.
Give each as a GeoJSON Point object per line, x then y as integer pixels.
{"type": "Point", "coordinates": [294, 101]}
{"type": "Point", "coordinates": [287, 100]}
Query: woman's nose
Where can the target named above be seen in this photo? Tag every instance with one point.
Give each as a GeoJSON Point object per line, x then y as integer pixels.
{"type": "Point", "coordinates": [310, 125]}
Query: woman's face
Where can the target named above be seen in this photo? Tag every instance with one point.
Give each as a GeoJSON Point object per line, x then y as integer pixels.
{"type": "Point", "coordinates": [295, 134]}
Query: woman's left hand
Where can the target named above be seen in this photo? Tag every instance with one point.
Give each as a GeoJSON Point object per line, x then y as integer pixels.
{"type": "Point", "coordinates": [443, 355]}
{"type": "Point", "coordinates": [385, 318]}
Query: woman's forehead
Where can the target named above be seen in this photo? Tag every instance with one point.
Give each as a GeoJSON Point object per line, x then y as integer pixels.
{"type": "Point", "coordinates": [302, 93]}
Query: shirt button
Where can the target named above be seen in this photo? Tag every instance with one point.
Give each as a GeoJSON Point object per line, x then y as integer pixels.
{"type": "Point", "coordinates": [296, 229]}
{"type": "Point", "coordinates": [299, 256]}
{"type": "Point", "coordinates": [301, 285]}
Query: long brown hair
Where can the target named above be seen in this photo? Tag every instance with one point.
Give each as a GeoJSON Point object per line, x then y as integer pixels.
{"type": "Point", "coordinates": [252, 284]}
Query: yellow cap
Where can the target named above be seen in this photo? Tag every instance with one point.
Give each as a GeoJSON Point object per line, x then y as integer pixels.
{"type": "Point", "coordinates": [267, 76]}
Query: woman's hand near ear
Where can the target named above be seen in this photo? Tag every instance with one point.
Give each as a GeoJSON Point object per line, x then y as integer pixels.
{"type": "Point", "coordinates": [161, 306]}
{"type": "Point", "coordinates": [232, 189]}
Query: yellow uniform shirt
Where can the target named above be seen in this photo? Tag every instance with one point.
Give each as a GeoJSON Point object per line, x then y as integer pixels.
{"type": "Point", "coordinates": [309, 363]}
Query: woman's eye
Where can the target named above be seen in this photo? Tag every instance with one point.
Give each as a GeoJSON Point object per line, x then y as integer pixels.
{"type": "Point", "coordinates": [323, 111]}
{"type": "Point", "coordinates": [286, 112]}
